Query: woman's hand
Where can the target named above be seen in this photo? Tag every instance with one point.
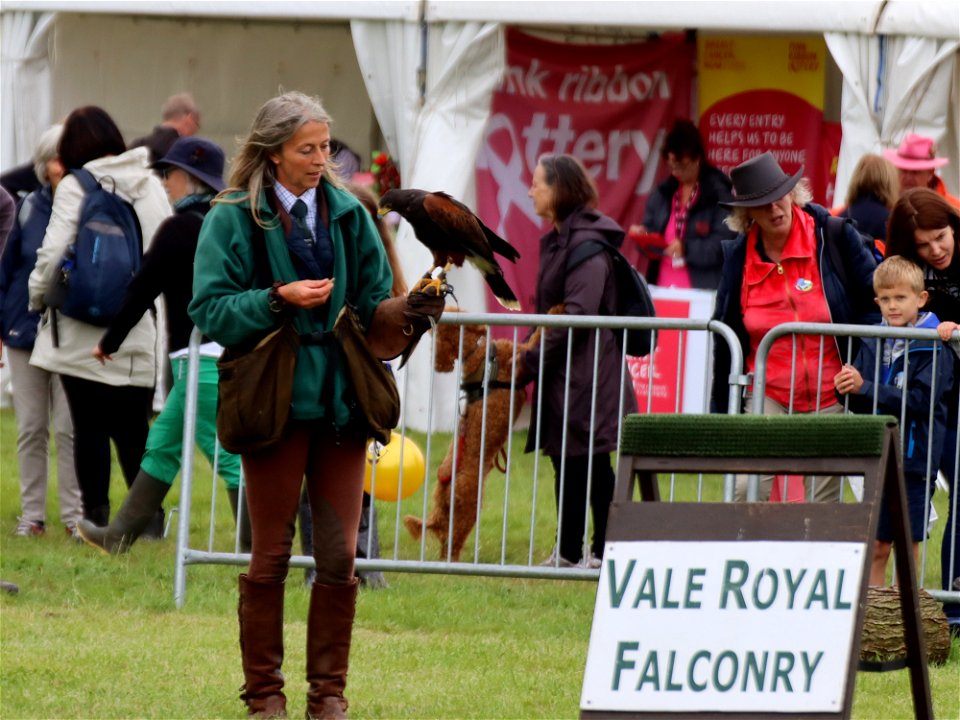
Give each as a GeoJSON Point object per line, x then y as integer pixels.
{"type": "Point", "coordinates": [674, 249]}
{"type": "Point", "coordinates": [945, 330]}
{"type": "Point", "coordinates": [100, 355]}
{"type": "Point", "coordinates": [848, 380]}
{"type": "Point", "coordinates": [637, 229]}
{"type": "Point", "coordinates": [306, 293]}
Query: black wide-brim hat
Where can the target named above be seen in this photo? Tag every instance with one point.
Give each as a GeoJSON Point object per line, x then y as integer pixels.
{"type": "Point", "coordinates": [201, 158]}
{"type": "Point", "coordinates": [760, 181]}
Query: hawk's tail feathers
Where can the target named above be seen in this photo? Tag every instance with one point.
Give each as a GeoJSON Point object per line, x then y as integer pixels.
{"type": "Point", "coordinates": [500, 289]}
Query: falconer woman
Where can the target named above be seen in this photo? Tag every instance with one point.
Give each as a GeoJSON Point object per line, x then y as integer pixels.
{"type": "Point", "coordinates": [322, 251]}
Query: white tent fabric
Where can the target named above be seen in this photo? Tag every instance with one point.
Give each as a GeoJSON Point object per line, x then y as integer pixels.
{"type": "Point", "coordinates": [389, 54]}
{"type": "Point", "coordinates": [436, 144]}
{"type": "Point", "coordinates": [25, 77]}
{"type": "Point", "coordinates": [893, 86]}
{"type": "Point", "coordinates": [437, 150]}
{"type": "Point", "coordinates": [729, 16]}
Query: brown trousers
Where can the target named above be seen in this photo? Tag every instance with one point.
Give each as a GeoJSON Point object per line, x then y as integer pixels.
{"type": "Point", "coordinates": [332, 467]}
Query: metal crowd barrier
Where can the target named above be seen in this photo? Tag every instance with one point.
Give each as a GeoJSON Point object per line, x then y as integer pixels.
{"type": "Point", "coordinates": [867, 333]}
{"type": "Point", "coordinates": [524, 537]}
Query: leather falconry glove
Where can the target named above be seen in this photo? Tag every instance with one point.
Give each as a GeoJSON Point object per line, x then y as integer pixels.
{"type": "Point", "coordinates": [398, 324]}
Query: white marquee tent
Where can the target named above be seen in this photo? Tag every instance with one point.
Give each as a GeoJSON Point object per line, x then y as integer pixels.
{"type": "Point", "coordinates": [429, 69]}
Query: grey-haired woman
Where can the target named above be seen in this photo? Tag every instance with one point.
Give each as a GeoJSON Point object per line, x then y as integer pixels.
{"type": "Point", "coordinates": [38, 397]}
{"type": "Point", "coordinates": [323, 252]}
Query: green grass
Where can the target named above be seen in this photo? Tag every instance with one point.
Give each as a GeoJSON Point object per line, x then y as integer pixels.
{"type": "Point", "coordinates": [95, 637]}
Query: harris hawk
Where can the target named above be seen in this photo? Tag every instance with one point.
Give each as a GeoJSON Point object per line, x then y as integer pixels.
{"type": "Point", "coordinates": [451, 231]}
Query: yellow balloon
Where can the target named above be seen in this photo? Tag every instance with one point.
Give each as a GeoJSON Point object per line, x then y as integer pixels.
{"type": "Point", "coordinates": [383, 478]}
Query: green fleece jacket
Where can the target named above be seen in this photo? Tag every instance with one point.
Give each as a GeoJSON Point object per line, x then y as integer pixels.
{"type": "Point", "coordinates": [229, 308]}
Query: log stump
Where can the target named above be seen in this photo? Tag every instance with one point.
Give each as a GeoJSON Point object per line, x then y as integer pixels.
{"type": "Point", "coordinates": [883, 640]}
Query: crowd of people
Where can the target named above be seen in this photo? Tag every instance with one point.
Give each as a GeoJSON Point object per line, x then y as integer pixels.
{"type": "Point", "coordinates": [284, 240]}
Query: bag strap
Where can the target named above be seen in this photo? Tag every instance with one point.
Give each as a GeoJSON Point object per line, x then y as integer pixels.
{"type": "Point", "coordinates": [586, 250]}
{"type": "Point", "coordinates": [86, 179]}
{"type": "Point", "coordinates": [833, 238]}
{"type": "Point", "coordinates": [263, 275]}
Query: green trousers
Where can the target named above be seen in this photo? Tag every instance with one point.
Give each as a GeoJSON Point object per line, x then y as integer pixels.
{"type": "Point", "coordinates": [164, 453]}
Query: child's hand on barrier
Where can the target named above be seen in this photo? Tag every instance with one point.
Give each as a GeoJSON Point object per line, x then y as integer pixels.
{"type": "Point", "coordinates": [945, 330]}
{"type": "Point", "coordinates": [848, 380]}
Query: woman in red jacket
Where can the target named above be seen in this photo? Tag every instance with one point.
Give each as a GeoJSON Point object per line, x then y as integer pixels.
{"type": "Point", "coordinates": [778, 270]}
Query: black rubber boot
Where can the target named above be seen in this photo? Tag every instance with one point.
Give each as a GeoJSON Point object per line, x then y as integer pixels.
{"type": "Point", "coordinates": [246, 536]}
{"type": "Point", "coordinates": [154, 529]}
{"type": "Point", "coordinates": [138, 509]}
{"type": "Point", "coordinates": [306, 535]}
{"type": "Point", "coordinates": [99, 515]}
{"type": "Point", "coordinates": [368, 535]}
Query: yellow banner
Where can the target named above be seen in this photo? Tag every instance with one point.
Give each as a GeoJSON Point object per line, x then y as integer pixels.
{"type": "Point", "coordinates": [732, 65]}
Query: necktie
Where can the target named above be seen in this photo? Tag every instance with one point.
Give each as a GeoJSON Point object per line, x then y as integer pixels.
{"type": "Point", "coordinates": [299, 214]}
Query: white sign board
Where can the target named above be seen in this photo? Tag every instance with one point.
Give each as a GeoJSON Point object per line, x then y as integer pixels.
{"type": "Point", "coordinates": [760, 627]}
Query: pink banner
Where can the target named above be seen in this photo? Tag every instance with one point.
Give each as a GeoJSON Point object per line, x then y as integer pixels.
{"type": "Point", "coordinates": [608, 105]}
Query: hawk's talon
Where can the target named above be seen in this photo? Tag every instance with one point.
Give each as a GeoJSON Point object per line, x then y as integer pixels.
{"type": "Point", "coordinates": [431, 286]}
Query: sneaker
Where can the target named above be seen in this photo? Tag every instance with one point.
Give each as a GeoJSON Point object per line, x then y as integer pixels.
{"type": "Point", "coordinates": [72, 532]}
{"type": "Point", "coordinates": [29, 528]}
{"type": "Point", "coordinates": [552, 561]}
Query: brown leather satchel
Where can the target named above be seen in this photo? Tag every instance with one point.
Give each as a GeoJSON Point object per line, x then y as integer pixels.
{"type": "Point", "coordinates": [374, 387]}
{"type": "Point", "coordinates": [256, 389]}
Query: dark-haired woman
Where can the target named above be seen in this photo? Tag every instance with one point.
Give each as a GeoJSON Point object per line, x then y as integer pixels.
{"type": "Point", "coordinates": [564, 194]}
{"type": "Point", "coordinates": [106, 402]}
{"type": "Point", "coordinates": [924, 228]}
{"type": "Point", "coordinates": [192, 172]}
{"type": "Point", "coordinates": [684, 210]}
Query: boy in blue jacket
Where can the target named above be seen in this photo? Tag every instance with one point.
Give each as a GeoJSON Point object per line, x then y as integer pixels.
{"type": "Point", "coordinates": [914, 373]}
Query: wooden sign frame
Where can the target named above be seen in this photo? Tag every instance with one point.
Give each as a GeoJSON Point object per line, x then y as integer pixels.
{"type": "Point", "coordinates": [845, 522]}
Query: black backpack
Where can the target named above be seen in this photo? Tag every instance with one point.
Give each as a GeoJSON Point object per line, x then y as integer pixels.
{"type": "Point", "coordinates": [864, 306]}
{"type": "Point", "coordinates": [633, 295]}
{"type": "Point", "coordinates": [97, 267]}
{"type": "Point", "coordinates": [834, 236]}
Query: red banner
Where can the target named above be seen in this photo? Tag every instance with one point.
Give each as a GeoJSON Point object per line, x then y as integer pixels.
{"type": "Point", "coordinates": [608, 105]}
{"type": "Point", "coordinates": [663, 393]}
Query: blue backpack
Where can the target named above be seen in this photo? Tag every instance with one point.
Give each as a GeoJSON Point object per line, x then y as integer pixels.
{"type": "Point", "coordinates": [96, 269]}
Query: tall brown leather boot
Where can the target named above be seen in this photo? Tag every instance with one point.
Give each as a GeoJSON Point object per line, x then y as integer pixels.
{"type": "Point", "coordinates": [261, 648]}
{"type": "Point", "coordinates": [329, 630]}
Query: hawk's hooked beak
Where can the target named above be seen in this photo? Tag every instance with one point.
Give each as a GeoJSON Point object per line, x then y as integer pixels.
{"type": "Point", "coordinates": [381, 211]}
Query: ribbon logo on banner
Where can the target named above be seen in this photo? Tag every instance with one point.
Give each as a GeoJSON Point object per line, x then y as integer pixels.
{"type": "Point", "coordinates": [508, 176]}
{"type": "Point", "coordinates": [612, 114]}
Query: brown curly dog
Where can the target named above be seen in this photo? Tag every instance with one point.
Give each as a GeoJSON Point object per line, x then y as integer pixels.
{"type": "Point", "coordinates": [468, 484]}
